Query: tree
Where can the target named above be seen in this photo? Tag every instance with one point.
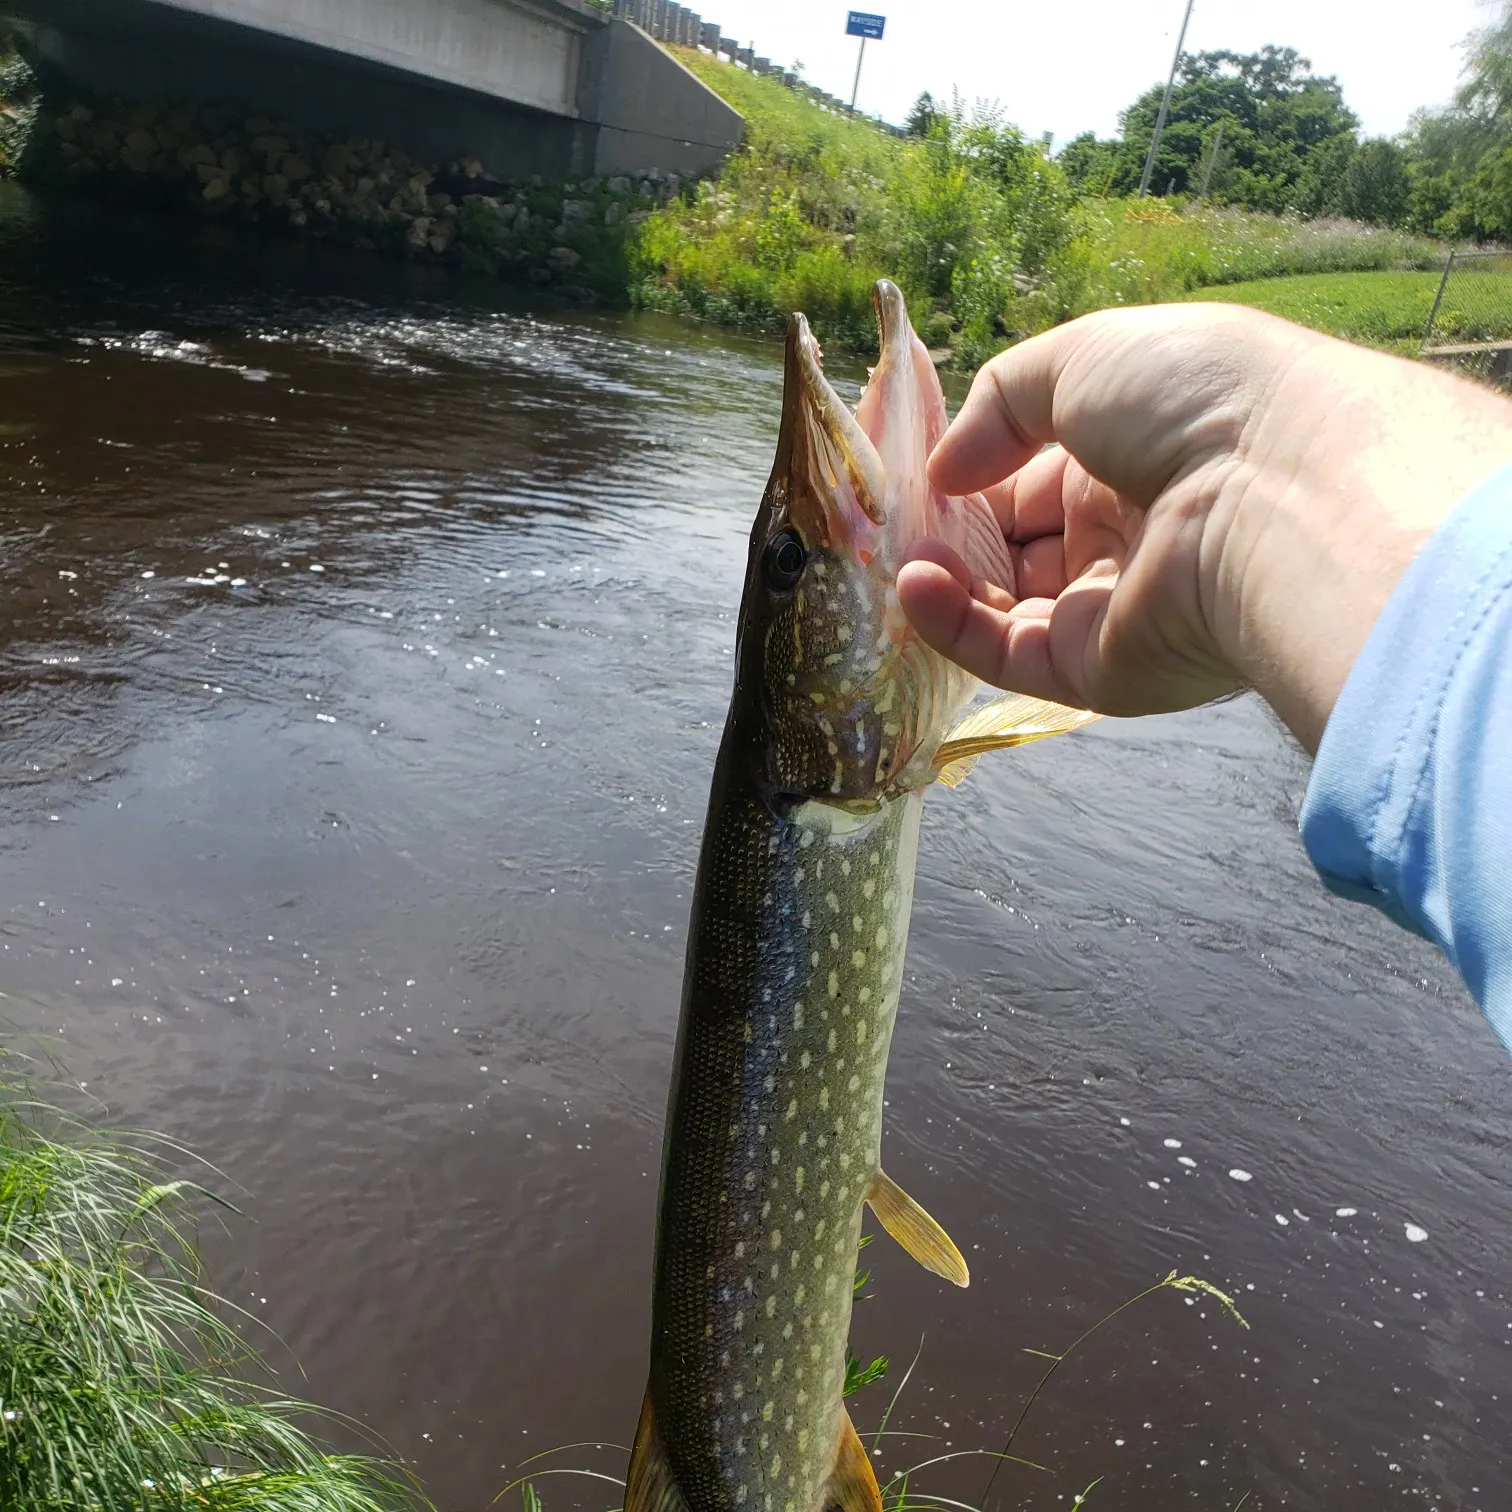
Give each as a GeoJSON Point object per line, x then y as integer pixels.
{"type": "Point", "coordinates": [1090, 166]}
{"type": "Point", "coordinates": [1276, 114]}
{"type": "Point", "coordinates": [922, 117]}
{"type": "Point", "coordinates": [1459, 160]}
{"type": "Point", "coordinates": [1375, 186]}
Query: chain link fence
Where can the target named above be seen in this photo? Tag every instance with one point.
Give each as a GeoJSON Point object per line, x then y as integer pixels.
{"type": "Point", "coordinates": [1470, 327]}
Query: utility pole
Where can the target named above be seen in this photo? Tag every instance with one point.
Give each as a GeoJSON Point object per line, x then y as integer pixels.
{"type": "Point", "coordinates": [1212, 162]}
{"type": "Point", "coordinates": [1165, 105]}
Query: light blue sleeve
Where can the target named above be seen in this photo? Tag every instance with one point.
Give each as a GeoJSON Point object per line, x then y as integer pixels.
{"type": "Point", "coordinates": [1410, 803]}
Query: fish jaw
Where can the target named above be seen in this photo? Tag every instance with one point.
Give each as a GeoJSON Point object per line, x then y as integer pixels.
{"type": "Point", "coordinates": [833, 480]}
{"type": "Point", "coordinates": [903, 414]}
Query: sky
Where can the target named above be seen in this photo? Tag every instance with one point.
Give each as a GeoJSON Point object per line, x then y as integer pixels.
{"type": "Point", "coordinates": [1068, 66]}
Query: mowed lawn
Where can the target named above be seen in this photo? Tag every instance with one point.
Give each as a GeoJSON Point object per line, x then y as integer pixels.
{"type": "Point", "coordinates": [1381, 309]}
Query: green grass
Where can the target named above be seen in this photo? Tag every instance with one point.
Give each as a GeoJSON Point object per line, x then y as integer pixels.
{"type": "Point", "coordinates": [1380, 309]}
{"type": "Point", "coordinates": [1388, 310]}
{"type": "Point", "coordinates": [788, 225]}
{"type": "Point", "coordinates": [1149, 252]}
{"type": "Point", "coordinates": [124, 1384]}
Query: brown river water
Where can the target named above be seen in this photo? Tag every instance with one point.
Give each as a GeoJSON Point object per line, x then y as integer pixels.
{"type": "Point", "coordinates": [366, 642]}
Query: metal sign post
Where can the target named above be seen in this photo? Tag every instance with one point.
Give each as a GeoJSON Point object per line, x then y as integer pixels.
{"type": "Point", "coordinates": [863, 24]}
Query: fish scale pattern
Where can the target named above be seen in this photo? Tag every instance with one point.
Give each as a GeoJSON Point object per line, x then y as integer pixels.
{"type": "Point", "coordinates": [795, 964]}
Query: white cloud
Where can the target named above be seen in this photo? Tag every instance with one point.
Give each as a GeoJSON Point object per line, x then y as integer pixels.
{"type": "Point", "coordinates": [1067, 68]}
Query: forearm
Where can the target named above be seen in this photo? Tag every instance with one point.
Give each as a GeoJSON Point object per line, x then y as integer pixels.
{"type": "Point", "coordinates": [1321, 531]}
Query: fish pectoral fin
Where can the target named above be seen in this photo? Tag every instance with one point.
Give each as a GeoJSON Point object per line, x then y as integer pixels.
{"type": "Point", "coordinates": [915, 1230]}
{"type": "Point", "coordinates": [1012, 720]}
{"type": "Point", "coordinates": [650, 1485]}
{"type": "Point", "coordinates": [852, 1484]}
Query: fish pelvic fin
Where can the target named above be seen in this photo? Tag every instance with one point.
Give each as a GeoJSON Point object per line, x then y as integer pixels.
{"type": "Point", "coordinates": [852, 1484]}
{"type": "Point", "coordinates": [650, 1485]}
{"type": "Point", "coordinates": [915, 1230]}
{"type": "Point", "coordinates": [1012, 720]}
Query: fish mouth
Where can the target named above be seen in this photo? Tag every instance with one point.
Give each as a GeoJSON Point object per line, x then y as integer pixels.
{"type": "Point", "coordinates": [834, 480]}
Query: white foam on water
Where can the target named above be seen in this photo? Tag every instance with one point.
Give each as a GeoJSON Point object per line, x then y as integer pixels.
{"type": "Point", "coordinates": [1415, 1234]}
{"type": "Point", "coordinates": [1239, 1175]}
{"type": "Point", "coordinates": [1345, 1212]}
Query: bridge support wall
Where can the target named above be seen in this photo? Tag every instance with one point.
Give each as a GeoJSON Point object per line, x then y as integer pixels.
{"type": "Point", "coordinates": [525, 88]}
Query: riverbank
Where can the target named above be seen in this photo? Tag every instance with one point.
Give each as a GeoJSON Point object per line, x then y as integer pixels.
{"type": "Point", "coordinates": [972, 219]}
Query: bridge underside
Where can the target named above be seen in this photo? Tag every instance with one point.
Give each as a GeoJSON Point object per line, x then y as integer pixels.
{"type": "Point", "coordinates": [601, 96]}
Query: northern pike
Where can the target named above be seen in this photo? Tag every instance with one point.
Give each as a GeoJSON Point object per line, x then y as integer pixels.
{"type": "Point", "coordinates": [841, 718]}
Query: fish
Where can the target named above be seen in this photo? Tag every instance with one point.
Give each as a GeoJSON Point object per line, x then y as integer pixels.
{"type": "Point", "coordinates": [839, 721]}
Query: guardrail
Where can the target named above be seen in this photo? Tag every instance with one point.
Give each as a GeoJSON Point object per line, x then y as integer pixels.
{"type": "Point", "coordinates": [677, 24]}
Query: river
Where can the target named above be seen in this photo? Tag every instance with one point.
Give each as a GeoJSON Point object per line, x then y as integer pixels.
{"type": "Point", "coordinates": [367, 639]}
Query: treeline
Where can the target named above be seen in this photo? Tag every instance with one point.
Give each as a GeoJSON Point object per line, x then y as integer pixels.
{"type": "Point", "coordinates": [1261, 131]}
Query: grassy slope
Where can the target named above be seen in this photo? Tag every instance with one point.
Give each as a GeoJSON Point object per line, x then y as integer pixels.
{"type": "Point", "coordinates": [816, 206]}
{"type": "Point", "coordinates": [789, 224]}
{"type": "Point", "coordinates": [1384, 309]}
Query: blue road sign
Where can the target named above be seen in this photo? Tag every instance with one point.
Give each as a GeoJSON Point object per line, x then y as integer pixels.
{"type": "Point", "coordinates": [864, 24]}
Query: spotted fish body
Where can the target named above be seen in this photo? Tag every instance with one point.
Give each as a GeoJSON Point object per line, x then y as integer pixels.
{"type": "Point", "coordinates": [774, 1143]}
{"type": "Point", "coordinates": [839, 721]}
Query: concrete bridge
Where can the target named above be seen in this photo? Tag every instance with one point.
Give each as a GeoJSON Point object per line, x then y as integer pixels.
{"type": "Point", "coordinates": [549, 87]}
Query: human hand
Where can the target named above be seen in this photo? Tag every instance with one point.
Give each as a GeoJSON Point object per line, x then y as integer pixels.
{"type": "Point", "coordinates": [1231, 501]}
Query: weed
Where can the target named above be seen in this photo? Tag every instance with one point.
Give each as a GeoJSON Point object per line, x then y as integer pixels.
{"type": "Point", "coordinates": [122, 1380]}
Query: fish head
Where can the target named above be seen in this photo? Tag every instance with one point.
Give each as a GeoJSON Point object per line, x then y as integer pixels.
{"type": "Point", "coordinates": [839, 696]}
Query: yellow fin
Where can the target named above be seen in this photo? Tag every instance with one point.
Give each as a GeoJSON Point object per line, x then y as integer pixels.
{"type": "Point", "coordinates": [852, 1484]}
{"type": "Point", "coordinates": [650, 1485]}
{"type": "Point", "coordinates": [915, 1230]}
{"type": "Point", "coordinates": [1012, 720]}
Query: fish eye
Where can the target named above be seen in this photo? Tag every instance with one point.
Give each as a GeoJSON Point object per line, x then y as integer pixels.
{"type": "Point", "coordinates": [785, 561]}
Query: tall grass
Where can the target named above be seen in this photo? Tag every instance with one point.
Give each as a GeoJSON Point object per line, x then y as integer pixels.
{"type": "Point", "coordinates": [124, 1384]}
{"type": "Point", "coordinates": [1148, 251]}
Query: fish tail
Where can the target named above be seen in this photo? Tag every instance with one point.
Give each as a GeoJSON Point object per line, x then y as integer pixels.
{"type": "Point", "coordinates": [650, 1485]}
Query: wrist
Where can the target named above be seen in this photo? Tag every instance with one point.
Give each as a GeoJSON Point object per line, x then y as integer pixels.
{"type": "Point", "coordinates": [1353, 463]}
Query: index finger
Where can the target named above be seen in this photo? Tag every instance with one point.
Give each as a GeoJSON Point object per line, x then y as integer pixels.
{"type": "Point", "coordinates": [1005, 420]}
